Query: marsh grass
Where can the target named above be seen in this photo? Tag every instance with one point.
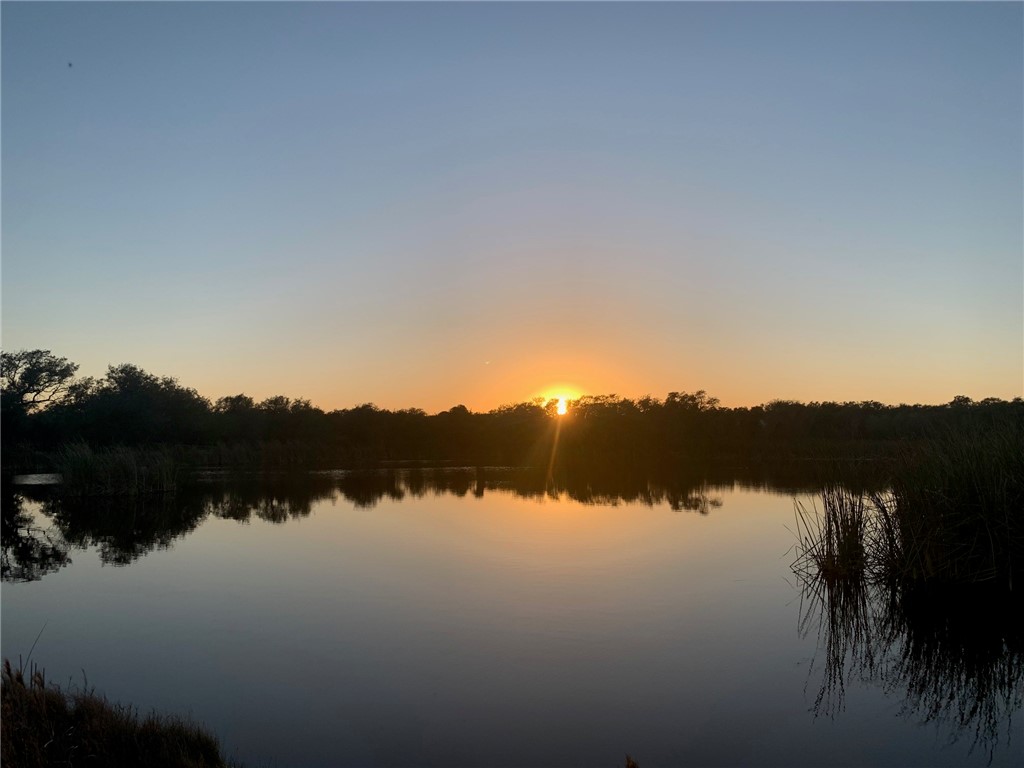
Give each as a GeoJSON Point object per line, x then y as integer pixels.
{"type": "Point", "coordinates": [952, 513]}
{"type": "Point", "coordinates": [115, 471]}
{"type": "Point", "coordinates": [955, 511]}
{"type": "Point", "coordinates": [832, 542]}
{"type": "Point", "coordinates": [44, 725]}
{"type": "Point", "coordinates": [917, 586]}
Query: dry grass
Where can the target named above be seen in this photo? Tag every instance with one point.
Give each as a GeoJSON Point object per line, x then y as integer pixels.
{"type": "Point", "coordinates": [44, 725]}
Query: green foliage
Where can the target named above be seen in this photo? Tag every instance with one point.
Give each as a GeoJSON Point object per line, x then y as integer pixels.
{"type": "Point", "coordinates": [44, 725]}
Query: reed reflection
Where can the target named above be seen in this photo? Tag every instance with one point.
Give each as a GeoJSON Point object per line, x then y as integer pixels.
{"type": "Point", "coordinates": [953, 655]}
{"type": "Point", "coordinates": [912, 585]}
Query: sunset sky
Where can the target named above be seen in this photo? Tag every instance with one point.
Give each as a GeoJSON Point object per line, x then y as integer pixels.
{"type": "Point", "coordinates": [421, 205]}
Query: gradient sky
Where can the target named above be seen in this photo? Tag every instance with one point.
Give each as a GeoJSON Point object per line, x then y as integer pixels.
{"type": "Point", "coordinates": [430, 204]}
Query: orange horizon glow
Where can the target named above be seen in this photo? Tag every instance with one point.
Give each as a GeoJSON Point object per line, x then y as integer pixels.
{"type": "Point", "coordinates": [336, 384]}
{"type": "Point", "coordinates": [492, 242]}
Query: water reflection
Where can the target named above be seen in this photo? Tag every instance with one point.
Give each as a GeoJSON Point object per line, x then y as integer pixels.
{"type": "Point", "coordinates": [952, 656]}
{"type": "Point", "coordinates": [458, 620]}
{"type": "Point", "coordinates": [123, 529]}
{"type": "Point", "coordinates": [126, 528]}
{"type": "Point", "coordinates": [29, 550]}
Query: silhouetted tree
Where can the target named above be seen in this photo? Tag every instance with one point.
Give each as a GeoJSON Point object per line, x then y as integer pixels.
{"type": "Point", "coordinates": [30, 379]}
{"type": "Point", "coordinates": [34, 378]}
{"type": "Point", "coordinates": [130, 406]}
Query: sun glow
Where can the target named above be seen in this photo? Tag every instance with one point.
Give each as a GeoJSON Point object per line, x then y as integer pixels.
{"type": "Point", "coordinates": [561, 394]}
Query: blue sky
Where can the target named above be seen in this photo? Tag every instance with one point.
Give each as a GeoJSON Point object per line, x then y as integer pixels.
{"type": "Point", "coordinates": [426, 204]}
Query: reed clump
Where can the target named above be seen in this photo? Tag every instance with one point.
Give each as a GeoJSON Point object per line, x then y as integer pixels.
{"type": "Point", "coordinates": [916, 585]}
{"type": "Point", "coordinates": [832, 541]}
{"type": "Point", "coordinates": [952, 514]}
{"type": "Point", "coordinates": [44, 725]}
{"type": "Point", "coordinates": [117, 471]}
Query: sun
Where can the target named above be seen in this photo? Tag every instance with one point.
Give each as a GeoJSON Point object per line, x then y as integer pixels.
{"type": "Point", "coordinates": [562, 395]}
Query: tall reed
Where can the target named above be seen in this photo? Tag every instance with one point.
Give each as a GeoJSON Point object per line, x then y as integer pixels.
{"type": "Point", "coordinates": [114, 471]}
{"type": "Point", "coordinates": [952, 513]}
{"type": "Point", "coordinates": [918, 585]}
{"type": "Point", "coordinates": [832, 541]}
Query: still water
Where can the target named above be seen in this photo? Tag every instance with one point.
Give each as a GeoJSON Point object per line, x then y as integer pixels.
{"type": "Point", "coordinates": [461, 618]}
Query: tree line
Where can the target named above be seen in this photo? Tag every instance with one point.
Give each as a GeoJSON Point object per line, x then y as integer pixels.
{"type": "Point", "coordinates": [43, 406]}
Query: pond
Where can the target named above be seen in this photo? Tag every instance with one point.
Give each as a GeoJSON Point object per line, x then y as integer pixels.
{"type": "Point", "coordinates": [488, 618]}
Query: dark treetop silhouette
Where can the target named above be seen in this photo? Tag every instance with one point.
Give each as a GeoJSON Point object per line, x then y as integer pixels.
{"type": "Point", "coordinates": [44, 407]}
